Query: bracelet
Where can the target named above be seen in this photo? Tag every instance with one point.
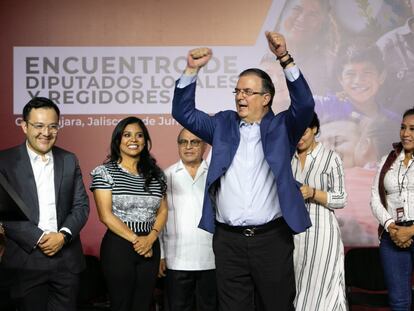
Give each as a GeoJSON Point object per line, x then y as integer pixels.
{"type": "Point", "coordinates": [286, 62]}
{"type": "Point", "coordinates": [313, 194]}
{"type": "Point", "coordinates": [280, 57]}
{"type": "Point", "coordinates": [155, 230]}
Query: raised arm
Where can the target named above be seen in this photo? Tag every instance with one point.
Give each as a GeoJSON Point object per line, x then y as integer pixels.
{"type": "Point", "coordinates": [183, 108]}
{"type": "Point", "coordinates": [277, 45]}
{"type": "Point", "coordinates": [196, 59]}
{"type": "Point", "coordinates": [301, 110]}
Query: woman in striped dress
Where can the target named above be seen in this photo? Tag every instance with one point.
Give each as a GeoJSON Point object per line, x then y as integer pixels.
{"type": "Point", "coordinates": [319, 251]}
{"type": "Point", "coordinates": [129, 192]}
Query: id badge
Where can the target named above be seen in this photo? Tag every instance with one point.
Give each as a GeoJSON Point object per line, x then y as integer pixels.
{"type": "Point", "coordinates": [400, 213]}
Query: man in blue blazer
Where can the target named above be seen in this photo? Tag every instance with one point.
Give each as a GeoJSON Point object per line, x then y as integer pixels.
{"type": "Point", "coordinates": [252, 203]}
{"type": "Point", "coordinates": [45, 251]}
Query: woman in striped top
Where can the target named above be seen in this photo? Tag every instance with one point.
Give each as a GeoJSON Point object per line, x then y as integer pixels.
{"type": "Point", "coordinates": [129, 192]}
{"type": "Point", "coordinates": [319, 251]}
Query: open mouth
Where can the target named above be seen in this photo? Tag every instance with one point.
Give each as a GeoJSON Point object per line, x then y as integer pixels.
{"type": "Point", "coordinates": [360, 89]}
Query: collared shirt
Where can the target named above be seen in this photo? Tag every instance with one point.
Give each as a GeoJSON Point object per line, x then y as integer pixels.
{"type": "Point", "coordinates": [399, 187]}
{"type": "Point", "coordinates": [248, 192]}
{"type": "Point", "coordinates": [43, 171]}
{"type": "Point", "coordinates": [183, 244]}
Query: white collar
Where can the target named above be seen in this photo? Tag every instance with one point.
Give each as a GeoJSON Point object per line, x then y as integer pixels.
{"type": "Point", "coordinates": [35, 157]}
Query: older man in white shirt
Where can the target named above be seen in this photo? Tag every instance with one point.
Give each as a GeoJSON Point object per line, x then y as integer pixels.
{"type": "Point", "coordinates": [187, 257]}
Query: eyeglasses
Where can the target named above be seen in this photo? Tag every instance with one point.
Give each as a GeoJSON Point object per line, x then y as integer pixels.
{"type": "Point", "coordinates": [193, 142]}
{"type": "Point", "coordinates": [246, 92]}
{"type": "Point", "coordinates": [53, 128]}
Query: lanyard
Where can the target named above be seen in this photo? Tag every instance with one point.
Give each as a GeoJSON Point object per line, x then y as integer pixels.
{"type": "Point", "coordinates": [401, 185]}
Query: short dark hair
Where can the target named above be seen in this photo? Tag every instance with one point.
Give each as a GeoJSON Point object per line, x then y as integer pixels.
{"type": "Point", "coordinates": [315, 123]}
{"type": "Point", "coordinates": [147, 165]}
{"type": "Point", "coordinates": [39, 102]}
{"type": "Point", "coordinates": [408, 112]}
{"type": "Point", "coordinates": [360, 53]}
{"type": "Point", "coordinates": [267, 84]}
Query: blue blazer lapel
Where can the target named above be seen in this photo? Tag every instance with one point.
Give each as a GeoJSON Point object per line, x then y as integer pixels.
{"type": "Point", "coordinates": [264, 125]}
{"type": "Point", "coordinates": [234, 138]}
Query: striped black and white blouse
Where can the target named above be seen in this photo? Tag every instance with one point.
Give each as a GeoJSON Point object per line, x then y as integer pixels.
{"type": "Point", "coordinates": [130, 202]}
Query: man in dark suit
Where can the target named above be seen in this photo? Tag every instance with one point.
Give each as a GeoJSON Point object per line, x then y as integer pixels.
{"type": "Point", "coordinates": [45, 251]}
{"type": "Point", "coordinates": [252, 202]}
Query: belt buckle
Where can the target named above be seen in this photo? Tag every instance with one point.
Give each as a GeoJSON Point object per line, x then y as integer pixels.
{"type": "Point", "coordinates": [248, 232]}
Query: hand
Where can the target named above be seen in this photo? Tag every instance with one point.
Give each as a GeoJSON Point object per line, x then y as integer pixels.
{"type": "Point", "coordinates": [306, 191]}
{"type": "Point", "coordinates": [51, 243]}
{"type": "Point", "coordinates": [197, 58]}
{"type": "Point", "coordinates": [392, 228]}
{"type": "Point", "coordinates": [143, 244]}
{"type": "Point", "coordinates": [401, 236]}
{"type": "Point", "coordinates": [277, 43]}
{"type": "Point", "coordinates": [404, 245]}
{"type": "Point", "coordinates": [162, 268]}
{"type": "Point", "coordinates": [399, 242]}
{"type": "Point", "coordinates": [148, 254]}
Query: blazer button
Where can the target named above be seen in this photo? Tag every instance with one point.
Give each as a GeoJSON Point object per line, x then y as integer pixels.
{"type": "Point", "coordinates": [223, 169]}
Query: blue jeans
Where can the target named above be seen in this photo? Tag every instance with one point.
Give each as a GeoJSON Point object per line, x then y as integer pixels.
{"type": "Point", "coordinates": [397, 264]}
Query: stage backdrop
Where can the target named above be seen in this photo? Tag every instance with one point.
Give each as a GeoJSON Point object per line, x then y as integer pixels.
{"type": "Point", "coordinates": [102, 60]}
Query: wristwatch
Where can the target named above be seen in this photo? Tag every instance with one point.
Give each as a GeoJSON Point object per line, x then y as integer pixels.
{"type": "Point", "coordinates": [67, 237]}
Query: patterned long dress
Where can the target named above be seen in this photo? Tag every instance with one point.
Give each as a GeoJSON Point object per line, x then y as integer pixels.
{"type": "Point", "coordinates": [319, 251]}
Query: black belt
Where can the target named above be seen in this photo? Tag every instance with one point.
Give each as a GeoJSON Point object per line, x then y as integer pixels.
{"type": "Point", "coordinates": [252, 230]}
{"type": "Point", "coordinates": [407, 223]}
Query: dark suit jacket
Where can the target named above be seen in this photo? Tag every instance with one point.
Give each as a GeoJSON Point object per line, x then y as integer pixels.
{"type": "Point", "coordinates": [279, 134]}
{"type": "Point", "coordinates": [72, 208]}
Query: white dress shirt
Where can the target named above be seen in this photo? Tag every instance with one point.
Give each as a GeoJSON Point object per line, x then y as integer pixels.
{"type": "Point", "coordinates": [44, 176]}
{"type": "Point", "coordinates": [399, 187]}
{"type": "Point", "coordinates": [183, 244]}
{"type": "Point", "coordinates": [248, 191]}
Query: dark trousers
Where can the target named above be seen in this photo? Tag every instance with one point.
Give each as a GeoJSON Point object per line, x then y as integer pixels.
{"type": "Point", "coordinates": [55, 289]}
{"type": "Point", "coordinates": [186, 289]}
{"type": "Point", "coordinates": [398, 266]}
{"type": "Point", "coordinates": [259, 265]}
{"type": "Point", "coordinates": [130, 277]}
